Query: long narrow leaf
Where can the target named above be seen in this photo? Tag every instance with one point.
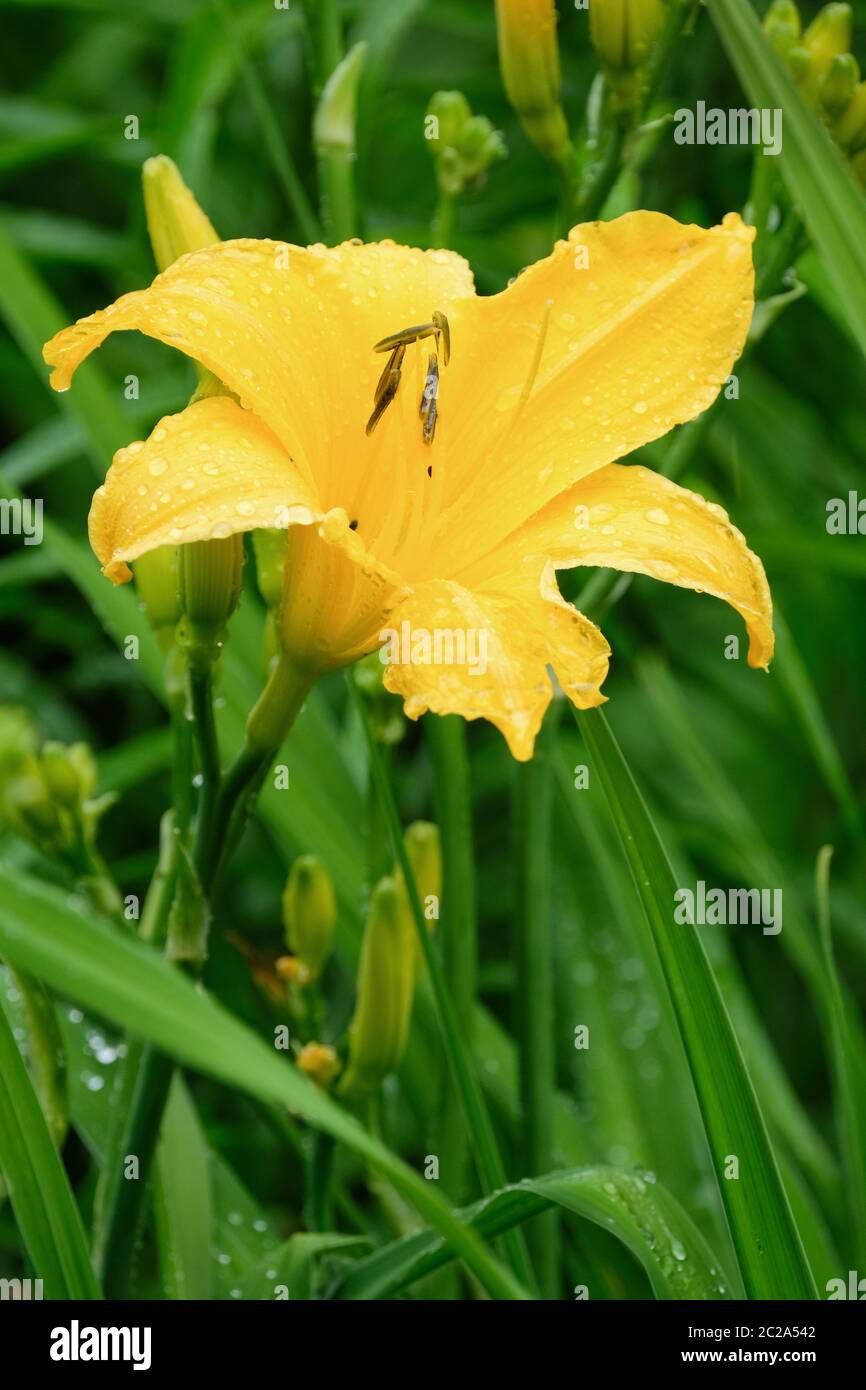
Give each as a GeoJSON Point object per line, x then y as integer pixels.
{"type": "Point", "coordinates": [39, 1190]}
{"type": "Point", "coordinates": [771, 1256]}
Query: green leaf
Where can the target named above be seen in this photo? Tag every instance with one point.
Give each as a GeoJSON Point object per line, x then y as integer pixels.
{"type": "Point", "coordinates": [832, 205]}
{"type": "Point", "coordinates": [640, 1214]}
{"type": "Point", "coordinates": [768, 1246]}
{"type": "Point", "coordinates": [39, 1190]}
{"type": "Point", "coordinates": [182, 1200]}
{"type": "Point", "coordinates": [293, 1266]}
{"type": "Point", "coordinates": [120, 978]}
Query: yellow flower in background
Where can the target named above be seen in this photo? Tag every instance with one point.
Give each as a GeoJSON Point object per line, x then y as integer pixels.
{"type": "Point", "coordinates": [483, 475]}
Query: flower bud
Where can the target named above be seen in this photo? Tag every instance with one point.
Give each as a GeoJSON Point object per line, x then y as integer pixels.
{"type": "Point", "coordinates": [310, 913]}
{"type": "Point", "coordinates": [828, 35]}
{"type": "Point", "coordinates": [447, 113]}
{"type": "Point", "coordinates": [380, 1024]}
{"type": "Point", "coordinates": [157, 584]}
{"type": "Point", "coordinates": [623, 33]}
{"type": "Point", "coordinates": [30, 809]}
{"type": "Point", "coordinates": [782, 25]}
{"type": "Point", "coordinates": [529, 60]}
{"type": "Point", "coordinates": [269, 547]}
{"type": "Point", "coordinates": [175, 222]}
{"type": "Point", "coordinates": [424, 852]}
{"type": "Point", "coordinates": [320, 1062]}
{"type": "Point", "coordinates": [839, 84]}
{"type": "Point", "coordinates": [850, 128]}
{"type": "Point", "coordinates": [19, 738]}
{"type": "Point", "coordinates": [69, 773]}
{"type": "Point", "coordinates": [210, 587]}
{"type": "Point", "coordinates": [463, 146]}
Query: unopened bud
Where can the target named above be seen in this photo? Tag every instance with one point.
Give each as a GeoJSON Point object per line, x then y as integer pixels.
{"type": "Point", "coordinates": [380, 1024]}
{"type": "Point", "coordinates": [210, 587]}
{"type": "Point", "coordinates": [269, 547]}
{"type": "Point", "coordinates": [310, 913]}
{"type": "Point", "coordinates": [850, 128]}
{"type": "Point", "coordinates": [320, 1062]}
{"type": "Point", "coordinates": [69, 773]}
{"type": "Point", "coordinates": [782, 25]}
{"type": "Point", "coordinates": [839, 84]}
{"type": "Point", "coordinates": [529, 60]}
{"type": "Point", "coordinates": [175, 222]}
{"type": "Point", "coordinates": [424, 852]}
{"type": "Point", "coordinates": [623, 33]}
{"type": "Point", "coordinates": [157, 584]}
{"type": "Point", "coordinates": [828, 35]}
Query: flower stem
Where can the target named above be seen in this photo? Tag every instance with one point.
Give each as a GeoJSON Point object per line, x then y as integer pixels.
{"type": "Point", "coordinates": [444, 220]}
{"type": "Point", "coordinates": [534, 985]}
{"type": "Point", "coordinates": [488, 1159]}
{"type": "Point", "coordinates": [201, 699]}
{"type": "Point", "coordinates": [326, 37]}
{"type": "Point", "coordinates": [446, 741]}
{"type": "Point", "coordinates": [268, 724]}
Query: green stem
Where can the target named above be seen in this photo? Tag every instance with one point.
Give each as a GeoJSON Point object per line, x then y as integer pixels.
{"type": "Point", "coordinates": [201, 699]}
{"type": "Point", "coordinates": [337, 188]}
{"type": "Point", "coordinates": [318, 1192]}
{"type": "Point", "coordinates": [458, 927]}
{"type": "Point", "coordinates": [326, 37]}
{"type": "Point", "coordinates": [444, 220]}
{"type": "Point", "coordinates": [182, 762]}
{"type": "Point", "coordinates": [490, 1166]}
{"type": "Point", "coordinates": [124, 1194]}
{"type": "Point", "coordinates": [534, 985]}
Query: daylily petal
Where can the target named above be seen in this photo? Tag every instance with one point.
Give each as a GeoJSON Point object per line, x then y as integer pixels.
{"type": "Point", "coordinates": [571, 368]}
{"type": "Point", "coordinates": [291, 332]}
{"type": "Point", "coordinates": [212, 470]}
{"type": "Point", "coordinates": [629, 518]}
{"type": "Point", "coordinates": [505, 640]}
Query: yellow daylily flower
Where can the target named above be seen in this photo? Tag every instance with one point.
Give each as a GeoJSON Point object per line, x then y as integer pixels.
{"type": "Point", "coordinates": [627, 329]}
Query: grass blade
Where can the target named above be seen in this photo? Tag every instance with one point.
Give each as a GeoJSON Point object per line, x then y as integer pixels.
{"type": "Point", "coordinates": [768, 1246]}
{"type": "Point", "coordinates": [124, 981]}
{"type": "Point", "coordinates": [39, 1190]}
{"type": "Point", "coordinates": [643, 1216]}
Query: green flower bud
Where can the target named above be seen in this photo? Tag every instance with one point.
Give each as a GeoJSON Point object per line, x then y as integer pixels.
{"type": "Point", "coordinates": [269, 547]}
{"type": "Point", "coordinates": [424, 851]}
{"type": "Point", "coordinates": [782, 25]}
{"type": "Point", "coordinates": [380, 1024]}
{"type": "Point", "coordinates": [839, 84]}
{"type": "Point", "coordinates": [850, 128]}
{"type": "Point", "coordinates": [623, 33]}
{"type": "Point", "coordinates": [310, 913]}
{"type": "Point", "coordinates": [69, 773]}
{"type": "Point", "coordinates": [157, 584]}
{"type": "Point", "coordinates": [19, 738]}
{"type": "Point", "coordinates": [798, 62]}
{"type": "Point", "coordinates": [29, 807]}
{"type": "Point", "coordinates": [463, 146]}
{"type": "Point", "coordinates": [210, 587]}
{"type": "Point", "coordinates": [384, 710]}
{"type": "Point", "coordinates": [529, 60]}
{"type": "Point", "coordinates": [479, 145]}
{"type": "Point", "coordinates": [447, 113]}
{"type": "Point", "coordinates": [829, 34]}
{"type": "Point", "coordinates": [175, 222]}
